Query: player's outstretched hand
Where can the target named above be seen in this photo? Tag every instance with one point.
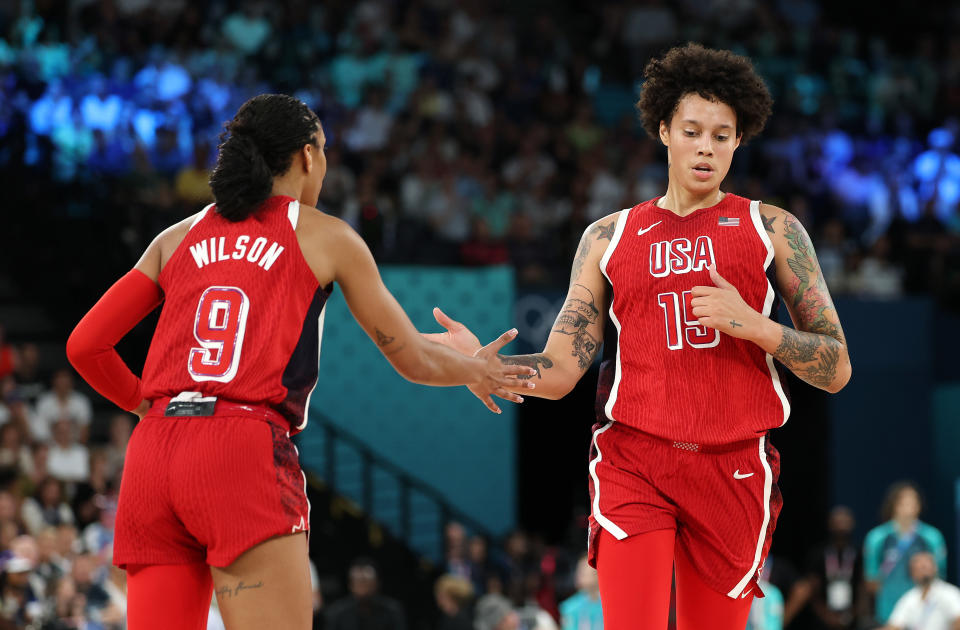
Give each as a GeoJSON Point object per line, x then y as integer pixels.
{"type": "Point", "coordinates": [499, 376]}
{"type": "Point", "coordinates": [721, 307]}
{"type": "Point", "coordinates": [458, 337]}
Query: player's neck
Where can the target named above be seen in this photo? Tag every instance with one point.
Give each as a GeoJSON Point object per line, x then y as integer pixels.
{"type": "Point", "coordinates": [287, 186]}
{"type": "Point", "coordinates": [905, 525]}
{"type": "Point", "coordinates": [682, 202]}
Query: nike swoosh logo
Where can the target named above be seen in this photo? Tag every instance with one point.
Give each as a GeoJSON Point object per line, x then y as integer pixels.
{"type": "Point", "coordinates": [737, 475]}
{"type": "Point", "coordinates": [745, 593]}
{"type": "Point", "coordinates": [647, 229]}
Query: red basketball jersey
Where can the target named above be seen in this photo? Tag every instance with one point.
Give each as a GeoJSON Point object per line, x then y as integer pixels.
{"type": "Point", "coordinates": [243, 314]}
{"type": "Point", "coordinates": [664, 373]}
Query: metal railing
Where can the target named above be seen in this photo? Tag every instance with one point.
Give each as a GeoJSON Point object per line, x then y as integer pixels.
{"type": "Point", "coordinates": [362, 484]}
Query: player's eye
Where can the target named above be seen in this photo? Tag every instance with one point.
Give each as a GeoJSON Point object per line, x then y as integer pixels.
{"type": "Point", "coordinates": [721, 138]}
{"type": "Point", "coordinates": [689, 133]}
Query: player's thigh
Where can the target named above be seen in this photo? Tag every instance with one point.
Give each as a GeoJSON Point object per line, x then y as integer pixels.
{"type": "Point", "coordinates": [699, 606]}
{"type": "Point", "coordinates": [268, 586]}
{"type": "Point", "coordinates": [635, 576]}
{"type": "Point", "coordinates": [151, 590]}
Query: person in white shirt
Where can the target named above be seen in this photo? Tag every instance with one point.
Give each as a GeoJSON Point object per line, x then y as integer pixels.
{"type": "Point", "coordinates": [62, 402]}
{"type": "Point", "coordinates": [931, 605]}
{"type": "Point", "coordinates": [68, 460]}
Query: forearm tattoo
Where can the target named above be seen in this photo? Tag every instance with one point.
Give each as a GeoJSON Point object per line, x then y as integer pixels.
{"type": "Point", "coordinates": [384, 340]}
{"type": "Point", "coordinates": [577, 315]}
{"type": "Point", "coordinates": [813, 354]}
{"type": "Point", "coordinates": [599, 232]}
{"type": "Point", "coordinates": [537, 361]}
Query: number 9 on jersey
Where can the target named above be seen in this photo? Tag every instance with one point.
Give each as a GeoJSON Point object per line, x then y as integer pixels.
{"type": "Point", "coordinates": [219, 328]}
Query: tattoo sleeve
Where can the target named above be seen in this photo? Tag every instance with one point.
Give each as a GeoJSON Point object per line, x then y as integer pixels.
{"type": "Point", "coordinates": [577, 315]}
{"type": "Point", "coordinates": [537, 361]}
{"type": "Point", "coordinates": [814, 350]}
{"type": "Point", "coordinates": [599, 232]}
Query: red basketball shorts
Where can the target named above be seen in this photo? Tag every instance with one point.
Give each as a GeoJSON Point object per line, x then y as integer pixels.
{"type": "Point", "coordinates": [207, 488]}
{"type": "Point", "coordinates": [723, 501]}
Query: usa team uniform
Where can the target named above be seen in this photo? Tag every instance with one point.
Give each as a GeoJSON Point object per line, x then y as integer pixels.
{"type": "Point", "coordinates": [683, 410]}
{"type": "Point", "coordinates": [211, 470]}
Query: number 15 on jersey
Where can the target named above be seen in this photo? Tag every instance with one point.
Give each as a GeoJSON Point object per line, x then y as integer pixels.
{"type": "Point", "coordinates": [682, 324]}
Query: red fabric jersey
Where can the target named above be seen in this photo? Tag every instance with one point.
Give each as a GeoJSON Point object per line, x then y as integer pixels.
{"type": "Point", "coordinates": [242, 315]}
{"type": "Point", "coordinates": [662, 372]}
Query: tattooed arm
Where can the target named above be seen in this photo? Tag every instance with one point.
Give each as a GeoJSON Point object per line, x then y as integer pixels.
{"type": "Point", "coordinates": [816, 350]}
{"type": "Point", "coordinates": [577, 332]}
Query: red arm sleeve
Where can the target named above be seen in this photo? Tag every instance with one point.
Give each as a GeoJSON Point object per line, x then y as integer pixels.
{"type": "Point", "coordinates": [90, 347]}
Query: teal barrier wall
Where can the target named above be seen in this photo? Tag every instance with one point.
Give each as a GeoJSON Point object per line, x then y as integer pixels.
{"type": "Point", "coordinates": [442, 436]}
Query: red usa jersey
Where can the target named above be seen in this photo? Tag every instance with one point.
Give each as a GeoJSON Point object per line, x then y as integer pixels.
{"type": "Point", "coordinates": [242, 315]}
{"type": "Point", "coordinates": [664, 373]}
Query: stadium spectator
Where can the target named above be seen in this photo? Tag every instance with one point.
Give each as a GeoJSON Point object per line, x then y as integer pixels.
{"type": "Point", "coordinates": [19, 605]}
{"type": "Point", "coordinates": [494, 612]}
{"type": "Point", "coordinates": [69, 460]}
{"type": "Point", "coordinates": [888, 548]}
{"type": "Point", "coordinates": [62, 402]}
{"type": "Point", "coordinates": [121, 428]}
{"type": "Point", "coordinates": [582, 611]}
{"type": "Point", "coordinates": [835, 574]}
{"type": "Point", "coordinates": [14, 453]}
{"type": "Point", "coordinates": [767, 612]}
{"type": "Point", "coordinates": [454, 596]}
{"type": "Point", "coordinates": [28, 374]}
{"type": "Point", "coordinates": [47, 508]}
{"type": "Point", "coordinates": [932, 604]}
{"type": "Point", "coordinates": [8, 356]}
{"type": "Point", "coordinates": [365, 607]}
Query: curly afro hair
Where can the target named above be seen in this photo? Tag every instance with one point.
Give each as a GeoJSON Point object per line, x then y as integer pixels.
{"type": "Point", "coordinates": [716, 75]}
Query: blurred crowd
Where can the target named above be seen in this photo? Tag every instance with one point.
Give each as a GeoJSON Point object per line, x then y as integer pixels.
{"type": "Point", "coordinates": [476, 132]}
{"type": "Point", "coordinates": [894, 579]}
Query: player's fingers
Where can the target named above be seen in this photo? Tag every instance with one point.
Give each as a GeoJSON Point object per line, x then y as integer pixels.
{"type": "Point", "coordinates": [701, 291]}
{"type": "Point", "coordinates": [445, 320]}
{"type": "Point", "coordinates": [518, 370]}
{"type": "Point", "coordinates": [513, 382]}
{"type": "Point", "coordinates": [437, 337]}
{"type": "Point", "coordinates": [700, 311]}
{"type": "Point", "coordinates": [718, 280]}
{"type": "Point", "coordinates": [492, 406]}
{"type": "Point", "coordinates": [508, 395]}
{"type": "Point", "coordinates": [706, 321]}
{"type": "Point", "coordinates": [698, 301]}
{"type": "Point", "coordinates": [502, 340]}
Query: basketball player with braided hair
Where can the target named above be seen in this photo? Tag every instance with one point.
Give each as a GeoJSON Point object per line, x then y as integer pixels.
{"type": "Point", "coordinates": [682, 292]}
{"type": "Point", "coordinates": [212, 494]}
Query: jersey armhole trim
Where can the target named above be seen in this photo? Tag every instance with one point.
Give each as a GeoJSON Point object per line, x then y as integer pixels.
{"type": "Point", "coordinates": [199, 216]}
{"type": "Point", "coordinates": [293, 213]}
{"type": "Point", "coordinates": [768, 304]}
{"type": "Point", "coordinates": [617, 232]}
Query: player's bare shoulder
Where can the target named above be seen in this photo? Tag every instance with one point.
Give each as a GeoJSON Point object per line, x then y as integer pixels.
{"type": "Point", "coordinates": [324, 240]}
{"type": "Point", "coordinates": [594, 242]}
{"type": "Point", "coordinates": [164, 245]}
{"type": "Point", "coordinates": [775, 219]}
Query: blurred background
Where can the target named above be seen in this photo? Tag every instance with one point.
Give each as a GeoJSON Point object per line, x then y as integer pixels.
{"type": "Point", "coordinates": [470, 143]}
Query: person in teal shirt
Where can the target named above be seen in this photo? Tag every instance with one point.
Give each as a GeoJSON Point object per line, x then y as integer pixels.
{"type": "Point", "coordinates": [888, 548]}
{"type": "Point", "coordinates": [582, 610]}
{"type": "Point", "coordinates": [766, 613]}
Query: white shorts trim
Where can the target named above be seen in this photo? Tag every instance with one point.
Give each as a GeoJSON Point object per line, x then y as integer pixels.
{"type": "Point", "coordinates": [767, 488]}
{"type": "Point", "coordinates": [604, 522]}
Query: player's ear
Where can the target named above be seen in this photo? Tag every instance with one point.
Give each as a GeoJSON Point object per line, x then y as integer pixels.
{"type": "Point", "coordinates": [664, 133]}
{"type": "Point", "coordinates": [736, 144]}
{"type": "Point", "coordinates": [306, 154]}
